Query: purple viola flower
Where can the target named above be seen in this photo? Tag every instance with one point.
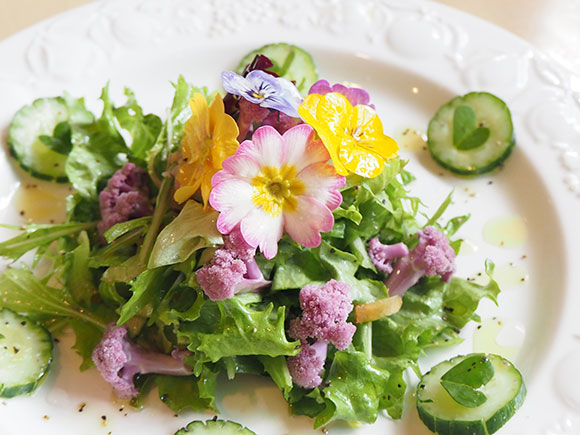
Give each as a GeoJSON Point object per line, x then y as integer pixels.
{"type": "Point", "coordinates": [353, 95]}
{"type": "Point", "coordinates": [261, 88]}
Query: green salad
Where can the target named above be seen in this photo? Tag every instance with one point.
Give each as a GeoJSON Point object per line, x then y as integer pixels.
{"type": "Point", "coordinates": [267, 230]}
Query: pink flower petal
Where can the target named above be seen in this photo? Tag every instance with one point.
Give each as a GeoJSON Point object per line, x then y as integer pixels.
{"type": "Point", "coordinates": [242, 165]}
{"type": "Point", "coordinates": [305, 224]}
{"type": "Point", "coordinates": [322, 183]}
{"type": "Point", "coordinates": [301, 147]}
{"type": "Point", "coordinates": [260, 229]}
{"type": "Point", "coordinates": [233, 199]}
{"type": "Point", "coordinates": [268, 146]}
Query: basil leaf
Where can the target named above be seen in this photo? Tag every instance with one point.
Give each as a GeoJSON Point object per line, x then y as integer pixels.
{"type": "Point", "coordinates": [462, 381]}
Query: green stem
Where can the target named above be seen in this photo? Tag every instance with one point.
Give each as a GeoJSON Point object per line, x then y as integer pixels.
{"type": "Point", "coordinates": [367, 339]}
{"type": "Point", "coordinates": [161, 207]}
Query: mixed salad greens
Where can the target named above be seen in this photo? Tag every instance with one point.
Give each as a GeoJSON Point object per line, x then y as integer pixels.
{"type": "Point", "coordinates": [267, 232]}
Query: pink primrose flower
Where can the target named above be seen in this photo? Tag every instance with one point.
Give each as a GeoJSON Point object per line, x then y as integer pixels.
{"type": "Point", "coordinates": [277, 183]}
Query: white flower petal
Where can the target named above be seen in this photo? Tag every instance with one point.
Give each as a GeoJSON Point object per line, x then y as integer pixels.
{"type": "Point", "coordinates": [260, 229]}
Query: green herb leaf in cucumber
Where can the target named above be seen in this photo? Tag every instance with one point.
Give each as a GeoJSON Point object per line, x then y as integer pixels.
{"type": "Point", "coordinates": [462, 381]}
{"type": "Point", "coordinates": [471, 134]}
{"type": "Point", "coordinates": [443, 414]}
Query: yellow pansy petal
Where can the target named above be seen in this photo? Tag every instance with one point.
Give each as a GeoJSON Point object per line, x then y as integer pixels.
{"type": "Point", "coordinates": [184, 193]}
{"type": "Point", "coordinates": [361, 162]}
{"type": "Point", "coordinates": [367, 130]}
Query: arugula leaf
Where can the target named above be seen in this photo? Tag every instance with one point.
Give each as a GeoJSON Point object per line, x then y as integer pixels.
{"type": "Point", "coordinates": [78, 279]}
{"type": "Point", "coordinates": [193, 229]}
{"type": "Point", "coordinates": [148, 289]}
{"type": "Point", "coordinates": [22, 292]}
{"type": "Point", "coordinates": [87, 338]}
{"type": "Point", "coordinates": [462, 380]}
{"type": "Point", "coordinates": [123, 228]}
{"type": "Point", "coordinates": [37, 235]}
{"type": "Point", "coordinates": [139, 131]}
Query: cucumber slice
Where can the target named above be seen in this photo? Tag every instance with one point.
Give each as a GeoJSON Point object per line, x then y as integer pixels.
{"type": "Point", "coordinates": [40, 119]}
{"type": "Point", "coordinates": [217, 427]}
{"type": "Point", "coordinates": [479, 153]}
{"type": "Point", "coordinates": [25, 354]}
{"type": "Point", "coordinates": [505, 393]}
{"type": "Point", "coordinates": [289, 61]}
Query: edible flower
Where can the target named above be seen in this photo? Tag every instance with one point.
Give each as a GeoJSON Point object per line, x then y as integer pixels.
{"type": "Point", "coordinates": [232, 270]}
{"type": "Point", "coordinates": [354, 95]}
{"type": "Point", "coordinates": [353, 135]}
{"type": "Point", "coordinates": [276, 183]}
{"type": "Point", "coordinates": [432, 256]}
{"type": "Point", "coordinates": [210, 137]}
{"type": "Point", "coordinates": [119, 360]}
{"type": "Point", "coordinates": [261, 88]}
{"type": "Point", "coordinates": [324, 313]}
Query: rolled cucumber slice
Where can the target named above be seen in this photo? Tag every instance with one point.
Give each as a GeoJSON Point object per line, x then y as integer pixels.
{"type": "Point", "coordinates": [25, 354]}
{"type": "Point", "coordinates": [40, 119]}
{"type": "Point", "coordinates": [214, 427]}
{"type": "Point", "coordinates": [505, 394]}
{"type": "Point", "coordinates": [289, 61]}
{"type": "Point", "coordinates": [472, 134]}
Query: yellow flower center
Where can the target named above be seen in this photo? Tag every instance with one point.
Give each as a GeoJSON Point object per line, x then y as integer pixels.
{"type": "Point", "coordinates": [277, 189]}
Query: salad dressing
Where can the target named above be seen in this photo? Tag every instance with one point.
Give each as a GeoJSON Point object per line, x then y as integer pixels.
{"type": "Point", "coordinates": [509, 276]}
{"type": "Point", "coordinates": [41, 203]}
{"type": "Point", "coordinates": [506, 232]}
{"type": "Point", "coordinates": [500, 337]}
{"type": "Point", "coordinates": [412, 140]}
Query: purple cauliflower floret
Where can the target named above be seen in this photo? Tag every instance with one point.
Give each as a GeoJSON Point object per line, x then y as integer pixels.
{"type": "Point", "coordinates": [353, 95]}
{"type": "Point", "coordinates": [382, 256]}
{"type": "Point", "coordinates": [119, 360]}
{"type": "Point", "coordinates": [324, 313]}
{"type": "Point", "coordinates": [307, 366]}
{"type": "Point", "coordinates": [432, 256]}
{"type": "Point", "coordinates": [232, 270]}
{"type": "Point", "coordinates": [125, 197]}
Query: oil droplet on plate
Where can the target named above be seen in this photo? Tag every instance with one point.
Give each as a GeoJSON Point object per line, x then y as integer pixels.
{"type": "Point", "coordinates": [412, 140]}
{"type": "Point", "coordinates": [500, 337]}
{"type": "Point", "coordinates": [506, 232]}
{"type": "Point", "coordinates": [468, 247]}
{"type": "Point", "coordinates": [41, 203]}
{"type": "Point", "coordinates": [510, 276]}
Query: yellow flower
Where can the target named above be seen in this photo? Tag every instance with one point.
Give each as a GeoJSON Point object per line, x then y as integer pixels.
{"type": "Point", "coordinates": [210, 138]}
{"type": "Point", "coordinates": [353, 135]}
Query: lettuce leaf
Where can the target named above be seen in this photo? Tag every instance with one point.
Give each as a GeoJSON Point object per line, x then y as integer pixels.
{"type": "Point", "coordinates": [193, 229]}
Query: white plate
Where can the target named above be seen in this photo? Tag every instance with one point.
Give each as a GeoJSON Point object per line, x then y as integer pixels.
{"type": "Point", "coordinates": [412, 56]}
